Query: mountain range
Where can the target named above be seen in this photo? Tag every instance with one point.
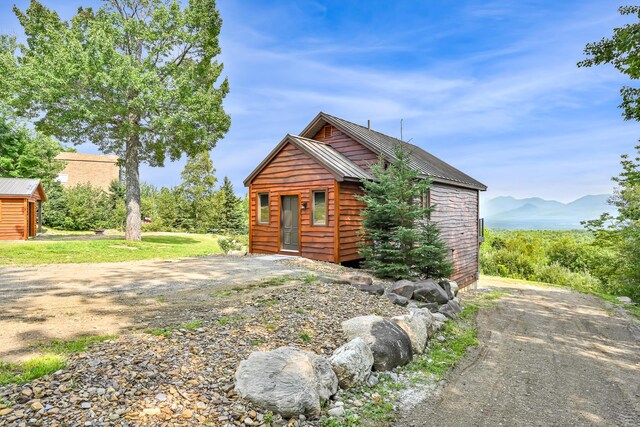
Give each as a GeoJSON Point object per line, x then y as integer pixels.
{"type": "Point", "coordinates": [535, 213]}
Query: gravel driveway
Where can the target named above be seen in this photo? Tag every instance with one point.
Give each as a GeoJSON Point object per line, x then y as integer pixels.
{"type": "Point", "coordinates": [548, 357]}
{"type": "Point", "coordinates": [68, 300]}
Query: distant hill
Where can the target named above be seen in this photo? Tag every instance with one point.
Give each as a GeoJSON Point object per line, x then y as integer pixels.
{"type": "Point", "coordinates": [535, 213]}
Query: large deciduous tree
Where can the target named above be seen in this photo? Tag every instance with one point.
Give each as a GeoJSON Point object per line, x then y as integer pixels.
{"type": "Point", "coordinates": [137, 78]}
{"type": "Point", "coordinates": [622, 231]}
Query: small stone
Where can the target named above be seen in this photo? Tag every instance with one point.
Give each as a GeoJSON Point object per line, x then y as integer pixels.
{"type": "Point", "coordinates": [85, 405]}
{"type": "Point", "coordinates": [151, 411]}
{"type": "Point", "coordinates": [26, 392]}
{"type": "Point", "coordinates": [357, 403]}
{"type": "Point", "coordinates": [187, 413]}
{"type": "Point", "coordinates": [338, 403]}
{"type": "Point", "coordinates": [248, 421]}
{"type": "Point", "coordinates": [301, 417]}
{"type": "Point", "coordinates": [338, 411]}
{"type": "Point", "coordinates": [53, 411]}
{"type": "Point", "coordinates": [161, 397]}
{"type": "Point", "coordinates": [252, 414]}
{"type": "Point", "coordinates": [36, 406]}
{"type": "Point", "coordinates": [441, 338]}
{"type": "Point", "coordinates": [625, 300]}
{"type": "Point", "coordinates": [6, 411]}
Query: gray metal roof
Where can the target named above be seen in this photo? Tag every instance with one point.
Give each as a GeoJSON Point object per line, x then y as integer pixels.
{"type": "Point", "coordinates": [424, 162]}
{"type": "Point", "coordinates": [330, 158]}
{"type": "Point", "coordinates": [18, 186]}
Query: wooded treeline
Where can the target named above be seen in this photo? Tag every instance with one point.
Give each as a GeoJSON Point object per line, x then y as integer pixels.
{"type": "Point", "coordinates": [197, 204]}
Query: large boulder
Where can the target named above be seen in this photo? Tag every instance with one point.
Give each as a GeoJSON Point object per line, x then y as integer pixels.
{"type": "Point", "coordinates": [286, 381]}
{"type": "Point", "coordinates": [416, 327]}
{"type": "Point", "coordinates": [455, 306]}
{"type": "Point", "coordinates": [389, 343]}
{"type": "Point", "coordinates": [397, 299]}
{"type": "Point", "coordinates": [448, 311]}
{"type": "Point", "coordinates": [454, 287]}
{"type": "Point", "coordinates": [428, 318]}
{"type": "Point", "coordinates": [352, 363]}
{"type": "Point", "coordinates": [446, 286]}
{"type": "Point", "coordinates": [431, 306]}
{"type": "Point", "coordinates": [403, 288]}
{"type": "Point", "coordinates": [429, 291]}
{"type": "Point", "coordinates": [359, 280]}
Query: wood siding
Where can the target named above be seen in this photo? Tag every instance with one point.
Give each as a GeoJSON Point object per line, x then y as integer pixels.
{"type": "Point", "coordinates": [13, 218]}
{"type": "Point", "coordinates": [350, 221]}
{"type": "Point", "coordinates": [348, 147]}
{"type": "Point", "coordinates": [456, 213]}
{"type": "Point", "coordinates": [292, 172]}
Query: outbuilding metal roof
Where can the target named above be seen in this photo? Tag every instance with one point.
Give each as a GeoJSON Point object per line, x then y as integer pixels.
{"type": "Point", "coordinates": [424, 162]}
{"type": "Point", "coordinates": [18, 186]}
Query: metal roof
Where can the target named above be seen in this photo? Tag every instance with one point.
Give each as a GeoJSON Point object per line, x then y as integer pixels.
{"type": "Point", "coordinates": [330, 158]}
{"type": "Point", "coordinates": [340, 166]}
{"type": "Point", "coordinates": [424, 162]}
{"type": "Point", "coordinates": [18, 186]}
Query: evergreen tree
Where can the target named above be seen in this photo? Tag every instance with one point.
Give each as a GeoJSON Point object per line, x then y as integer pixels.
{"type": "Point", "coordinates": [400, 242]}
{"type": "Point", "coordinates": [230, 216]}
{"type": "Point", "coordinates": [198, 192]}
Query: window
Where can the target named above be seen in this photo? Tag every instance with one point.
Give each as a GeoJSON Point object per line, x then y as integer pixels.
{"type": "Point", "coordinates": [263, 208]}
{"type": "Point", "coordinates": [319, 208]}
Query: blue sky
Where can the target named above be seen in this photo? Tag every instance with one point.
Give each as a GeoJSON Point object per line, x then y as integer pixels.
{"type": "Point", "coordinates": [489, 86]}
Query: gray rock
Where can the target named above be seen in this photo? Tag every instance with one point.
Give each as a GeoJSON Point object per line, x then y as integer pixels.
{"type": "Point", "coordinates": [352, 363]}
{"type": "Point", "coordinates": [372, 289]}
{"type": "Point", "coordinates": [431, 306]}
{"type": "Point", "coordinates": [373, 379]}
{"type": "Point", "coordinates": [286, 381]}
{"type": "Point", "coordinates": [444, 284]}
{"type": "Point", "coordinates": [430, 291]}
{"type": "Point", "coordinates": [454, 287]}
{"type": "Point", "coordinates": [440, 317]}
{"type": "Point", "coordinates": [455, 306]}
{"type": "Point", "coordinates": [338, 411]}
{"type": "Point", "coordinates": [448, 311]}
{"type": "Point", "coordinates": [397, 299]}
{"type": "Point", "coordinates": [237, 253]}
{"type": "Point", "coordinates": [415, 326]}
{"type": "Point", "coordinates": [360, 279]}
{"type": "Point", "coordinates": [404, 288]}
{"type": "Point", "coordinates": [389, 343]}
{"type": "Point", "coordinates": [625, 300]}
{"type": "Point", "coordinates": [428, 319]}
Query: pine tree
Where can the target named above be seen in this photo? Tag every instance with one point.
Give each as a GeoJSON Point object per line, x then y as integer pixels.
{"type": "Point", "coordinates": [198, 192]}
{"type": "Point", "coordinates": [230, 217]}
{"type": "Point", "coordinates": [400, 242]}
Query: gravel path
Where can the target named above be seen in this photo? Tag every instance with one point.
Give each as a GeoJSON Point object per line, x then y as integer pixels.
{"type": "Point", "coordinates": [548, 357]}
{"type": "Point", "coordinates": [64, 301]}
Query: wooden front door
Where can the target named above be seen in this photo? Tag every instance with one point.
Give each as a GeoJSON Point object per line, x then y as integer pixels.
{"type": "Point", "coordinates": [289, 216]}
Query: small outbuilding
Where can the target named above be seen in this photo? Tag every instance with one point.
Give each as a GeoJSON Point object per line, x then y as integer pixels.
{"type": "Point", "coordinates": [303, 195]}
{"type": "Point", "coordinates": [20, 208]}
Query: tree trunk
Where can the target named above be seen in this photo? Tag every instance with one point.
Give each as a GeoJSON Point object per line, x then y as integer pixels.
{"type": "Point", "coordinates": [133, 230]}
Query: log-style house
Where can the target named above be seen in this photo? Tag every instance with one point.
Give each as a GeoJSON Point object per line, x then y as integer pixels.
{"type": "Point", "coordinates": [302, 195]}
{"type": "Point", "coordinates": [20, 208]}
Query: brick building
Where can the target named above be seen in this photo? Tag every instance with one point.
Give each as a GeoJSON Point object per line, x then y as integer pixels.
{"type": "Point", "coordinates": [96, 169]}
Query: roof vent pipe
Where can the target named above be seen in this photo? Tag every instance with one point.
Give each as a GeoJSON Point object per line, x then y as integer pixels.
{"type": "Point", "coordinates": [369, 124]}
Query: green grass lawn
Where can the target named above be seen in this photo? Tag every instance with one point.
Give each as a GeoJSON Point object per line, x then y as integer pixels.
{"type": "Point", "coordinates": [111, 249]}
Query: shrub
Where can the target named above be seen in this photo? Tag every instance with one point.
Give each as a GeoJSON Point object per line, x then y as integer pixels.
{"type": "Point", "coordinates": [229, 244]}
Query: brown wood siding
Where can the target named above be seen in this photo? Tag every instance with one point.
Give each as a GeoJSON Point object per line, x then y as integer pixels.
{"type": "Point", "coordinates": [295, 173]}
{"type": "Point", "coordinates": [350, 221]}
{"type": "Point", "coordinates": [456, 213]}
{"type": "Point", "coordinates": [12, 218]}
{"type": "Point", "coordinates": [348, 147]}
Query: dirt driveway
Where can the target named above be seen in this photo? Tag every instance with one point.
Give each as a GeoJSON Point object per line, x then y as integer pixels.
{"type": "Point", "coordinates": [64, 301]}
{"type": "Point", "coordinates": [548, 357]}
